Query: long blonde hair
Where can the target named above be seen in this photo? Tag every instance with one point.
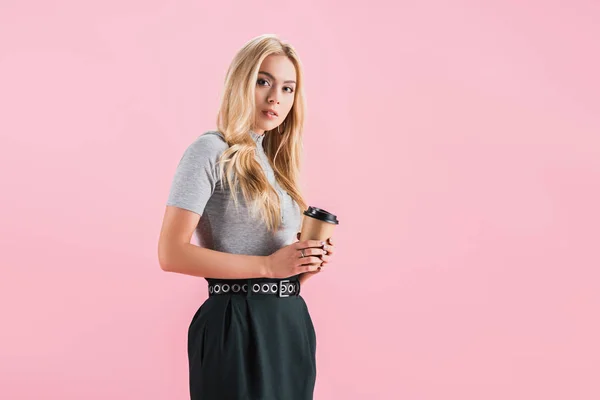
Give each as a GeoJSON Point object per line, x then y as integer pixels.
{"type": "Point", "coordinates": [282, 145]}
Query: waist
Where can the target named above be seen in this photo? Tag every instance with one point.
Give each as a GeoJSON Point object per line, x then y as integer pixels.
{"type": "Point", "coordinates": [284, 287]}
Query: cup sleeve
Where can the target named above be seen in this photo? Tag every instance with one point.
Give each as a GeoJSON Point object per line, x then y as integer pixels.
{"type": "Point", "coordinates": [196, 175]}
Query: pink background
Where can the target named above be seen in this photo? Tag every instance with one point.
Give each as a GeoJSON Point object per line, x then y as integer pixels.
{"type": "Point", "coordinates": [458, 142]}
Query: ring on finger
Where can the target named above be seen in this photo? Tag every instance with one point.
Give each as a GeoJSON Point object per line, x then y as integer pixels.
{"type": "Point", "coordinates": [302, 253]}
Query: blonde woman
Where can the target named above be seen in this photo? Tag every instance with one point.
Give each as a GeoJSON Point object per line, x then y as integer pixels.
{"type": "Point", "coordinates": [237, 188]}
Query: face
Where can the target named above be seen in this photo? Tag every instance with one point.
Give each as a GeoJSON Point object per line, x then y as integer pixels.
{"type": "Point", "coordinates": [275, 90]}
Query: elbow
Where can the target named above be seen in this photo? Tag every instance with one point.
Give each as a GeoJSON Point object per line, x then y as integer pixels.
{"type": "Point", "coordinates": [164, 265]}
{"type": "Point", "coordinates": [164, 259]}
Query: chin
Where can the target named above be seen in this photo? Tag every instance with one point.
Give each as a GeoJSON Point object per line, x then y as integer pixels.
{"type": "Point", "coordinates": [268, 127]}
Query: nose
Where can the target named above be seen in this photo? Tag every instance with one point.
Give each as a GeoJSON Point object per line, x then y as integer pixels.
{"type": "Point", "coordinates": [273, 97]}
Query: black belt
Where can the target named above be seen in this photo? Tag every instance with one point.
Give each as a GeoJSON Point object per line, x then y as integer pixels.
{"type": "Point", "coordinates": [249, 287]}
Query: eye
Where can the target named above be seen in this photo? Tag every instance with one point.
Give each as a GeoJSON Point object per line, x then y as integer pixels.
{"type": "Point", "coordinates": [291, 90]}
{"type": "Point", "coordinates": [261, 80]}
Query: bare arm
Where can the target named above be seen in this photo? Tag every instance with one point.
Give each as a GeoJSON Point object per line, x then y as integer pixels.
{"type": "Point", "coordinates": [194, 260]}
{"type": "Point", "coordinates": [177, 254]}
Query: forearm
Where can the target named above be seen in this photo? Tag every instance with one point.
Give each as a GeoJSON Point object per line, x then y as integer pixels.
{"type": "Point", "coordinates": [190, 259]}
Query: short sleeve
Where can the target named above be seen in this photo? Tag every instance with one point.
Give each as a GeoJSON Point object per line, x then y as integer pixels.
{"type": "Point", "coordinates": [196, 175]}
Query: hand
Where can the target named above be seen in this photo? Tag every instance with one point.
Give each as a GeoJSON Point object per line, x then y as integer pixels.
{"type": "Point", "coordinates": [328, 252]}
{"type": "Point", "coordinates": [288, 260]}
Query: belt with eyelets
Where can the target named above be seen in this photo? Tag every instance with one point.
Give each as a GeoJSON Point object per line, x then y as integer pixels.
{"type": "Point", "coordinates": [249, 287]}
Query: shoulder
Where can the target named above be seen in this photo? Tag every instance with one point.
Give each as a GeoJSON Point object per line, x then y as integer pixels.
{"type": "Point", "coordinates": [210, 142]}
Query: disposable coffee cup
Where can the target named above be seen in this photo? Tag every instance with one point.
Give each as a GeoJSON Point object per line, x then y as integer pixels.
{"type": "Point", "coordinates": [317, 224]}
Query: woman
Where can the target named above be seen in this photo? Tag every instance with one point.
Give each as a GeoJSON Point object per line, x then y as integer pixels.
{"type": "Point", "coordinates": [253, 338]}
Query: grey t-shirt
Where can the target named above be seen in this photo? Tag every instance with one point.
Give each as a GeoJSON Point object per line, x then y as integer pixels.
{"type": "Point", "coordinates": [196, 187]}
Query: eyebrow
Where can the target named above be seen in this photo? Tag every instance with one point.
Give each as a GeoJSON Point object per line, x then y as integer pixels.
{"type": "Point", "coordinates": [272, 77]}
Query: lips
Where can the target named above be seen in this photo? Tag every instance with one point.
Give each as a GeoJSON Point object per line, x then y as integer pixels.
{"type": "Point", "coordinates": [271, 111]}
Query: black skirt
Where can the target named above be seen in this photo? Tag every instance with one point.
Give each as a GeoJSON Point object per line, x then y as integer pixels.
{"type": "Point", "coordinates": [252, 347]}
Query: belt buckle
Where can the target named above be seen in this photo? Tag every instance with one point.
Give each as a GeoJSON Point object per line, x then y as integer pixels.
{"type": "Point", "coordinates": [281, 283]}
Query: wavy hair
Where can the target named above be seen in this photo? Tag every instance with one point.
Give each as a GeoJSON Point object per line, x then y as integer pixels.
{"type": "Point", "coordinates": [282, 145]}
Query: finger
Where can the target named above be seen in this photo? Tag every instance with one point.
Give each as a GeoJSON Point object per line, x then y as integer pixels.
{"type": "Point", "coordinates": [304, 261]}
{"type": "Point", "coordinates": [315, 252]}
{"type": "Point", "coordinates": [310, 267]}
{"type": "Point", "coordinates": [309, 243]}
{"type": "Point", "coordinates": [310, 252]}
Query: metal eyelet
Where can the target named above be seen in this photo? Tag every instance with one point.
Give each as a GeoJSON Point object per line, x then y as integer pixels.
{"type": "Point", "coordinates": [245, 288]}
{"type": "Point", "coordinates": [225, 288]}
{"type": "Point", "coordinates": [235, 288]}
{"type": "Point", "coordinates": [210, 289]}
{"type": "Point", "coordinates": [273, 288]}
{"type": "Point", "coordinates": [256, 288]}
{"type": "Point", "coordinates": [291, 288]}
{"type": "Point", "coordinates": [217, 288]}
{"type": "Point", "coordinates": [265, 288]}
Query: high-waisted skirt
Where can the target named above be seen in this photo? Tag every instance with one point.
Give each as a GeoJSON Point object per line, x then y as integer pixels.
{"type": "Point", "coordinates": [246, 346]}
